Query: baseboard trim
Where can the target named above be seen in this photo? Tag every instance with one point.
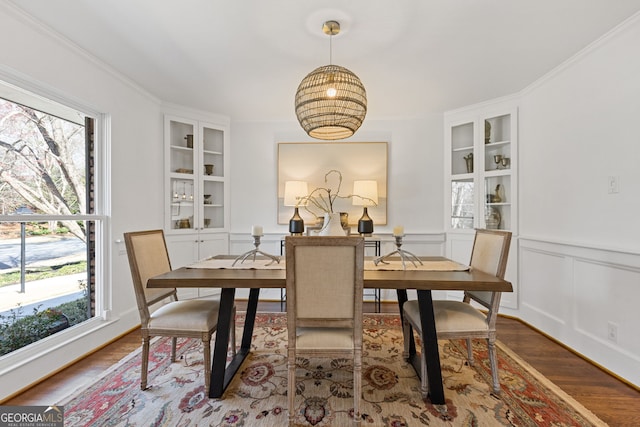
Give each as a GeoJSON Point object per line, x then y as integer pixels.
{"type": "Point", "coordinates": [65, 366]}
{"type": "Point", "coordinates": [580, 355]}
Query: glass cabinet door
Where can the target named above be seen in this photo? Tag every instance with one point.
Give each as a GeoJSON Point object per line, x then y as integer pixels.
{"type": "Point", "coordinates": [481, 175]}
{"type": "Point", "coordinates": [212, 183]}
{"type": "Point", "coordinates": [182, 185]}
{"type": "Point", "coordinates": [462, 178]}
{"type": "Point", "coordinates": [497, 172]}
{"type": "Point", "coordinates": [196, 182]}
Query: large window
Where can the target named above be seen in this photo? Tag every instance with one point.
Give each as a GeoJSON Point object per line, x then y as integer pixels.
{"type": "Point", "coordinates": [49, 218]}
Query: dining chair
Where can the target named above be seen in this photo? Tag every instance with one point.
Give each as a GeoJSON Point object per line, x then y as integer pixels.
{"type": "Point", "coordinates": [460, 319]}
{"type": "Point", "coordinates": [193, 318]}
{"type": "Point", "coordinates": [325, 278]}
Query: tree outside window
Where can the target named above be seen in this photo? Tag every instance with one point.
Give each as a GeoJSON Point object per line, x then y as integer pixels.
{"type": "Point", "coordinates": [46, 230]}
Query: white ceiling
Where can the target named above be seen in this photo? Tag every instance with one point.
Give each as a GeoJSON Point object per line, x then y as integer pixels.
{"type": "Point", "coordinates": [245, 58]}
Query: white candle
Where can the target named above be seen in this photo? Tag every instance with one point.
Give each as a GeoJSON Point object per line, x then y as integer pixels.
{"type": "Point", "coordinates": [398, 231]}
{"type": "Point", "coordinates": [256, 230]}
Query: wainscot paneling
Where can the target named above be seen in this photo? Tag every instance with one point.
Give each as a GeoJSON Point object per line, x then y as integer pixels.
{"type": "Point", "coordinates": [586, 298]}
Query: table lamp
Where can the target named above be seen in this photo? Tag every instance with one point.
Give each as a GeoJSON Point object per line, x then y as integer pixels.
{"type": "Point", "coordinates": [294, 193]}
{"type": "Point", "coordinates": [365, 193]}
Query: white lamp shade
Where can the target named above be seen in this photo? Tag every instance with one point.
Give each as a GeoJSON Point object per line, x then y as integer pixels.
{"type": "Point", "coordinates": [367, 191]}
{"type": "Point", "coordinates": [293, 192]}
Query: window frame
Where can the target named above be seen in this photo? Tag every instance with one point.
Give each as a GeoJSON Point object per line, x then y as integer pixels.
{"type": "Point", "coordinates": [38, 96]}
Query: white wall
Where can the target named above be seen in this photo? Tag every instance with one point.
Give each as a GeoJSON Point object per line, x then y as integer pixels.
{"type": "Point", "coordinates": [33, 57]}
{"type": "Point", "coordinates": [580, 125]}
{"type": "Point", "coordinates": [579, 252]}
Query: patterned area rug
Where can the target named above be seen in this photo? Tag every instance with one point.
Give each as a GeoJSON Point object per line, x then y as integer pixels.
{"type": "Point", "coordinates": [257, 396]}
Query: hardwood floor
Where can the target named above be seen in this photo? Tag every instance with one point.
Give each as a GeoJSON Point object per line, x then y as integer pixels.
{"type": "Point", "coordinates": [615, 402]}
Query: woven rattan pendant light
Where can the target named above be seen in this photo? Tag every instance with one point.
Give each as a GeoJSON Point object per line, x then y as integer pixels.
{"type": "Point", "coordinates": [331, 102]}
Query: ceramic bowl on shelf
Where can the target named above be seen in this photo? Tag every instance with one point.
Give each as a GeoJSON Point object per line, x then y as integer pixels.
{"type": "Point", "coordinates": [207, 199]}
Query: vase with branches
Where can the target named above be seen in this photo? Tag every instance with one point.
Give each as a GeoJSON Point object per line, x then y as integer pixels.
{"type": "Point", "coordinates": [320, 202]}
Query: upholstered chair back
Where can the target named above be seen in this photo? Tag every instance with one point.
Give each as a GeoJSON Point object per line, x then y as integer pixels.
{"type": "Point", "coordinates": [148, 257]}
{"type": "Point", "coordinates": [325, 282]}
{"type": "Point", "coordinates": [490, 253]}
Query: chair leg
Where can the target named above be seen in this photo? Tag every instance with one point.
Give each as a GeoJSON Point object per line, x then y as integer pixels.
{"type": "Point", "coordinates": [424, 377]}
{"type": "Point", "coordinates": [470, 351]}
{"type": "Point", "coordinates": [357, 386]}
{"type": "Point", "coordinates": [291, 391]}
{"type": "Point", "coordinates": [174, 342]}
{"type": "Point", "coordinates": [493, 361]}
{"type": "Point", "coordinates": [407, 330]}
{"type": "Point", "coordinates": [145, 363]}
{"type": "Point", "coordinates": [206, 344]}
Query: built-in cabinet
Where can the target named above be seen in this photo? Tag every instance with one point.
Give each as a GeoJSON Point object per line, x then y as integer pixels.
{"type": "Point", "coordinates": [481, 179]}
{"type": "Point", "coordinates": [196, 188]}
{"type": "Point", "coordinates": [196, 169]}
{"type": "Point", "coordinates": [481, 170]}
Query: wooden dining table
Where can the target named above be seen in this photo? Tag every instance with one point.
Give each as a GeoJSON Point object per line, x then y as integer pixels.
{"type": "Point", "coordinates": [230, 279]}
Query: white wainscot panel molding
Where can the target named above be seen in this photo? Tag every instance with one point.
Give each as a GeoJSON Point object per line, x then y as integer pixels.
{"type": "Point", "coordinates": [544, 285]}
{"type": "Point", "coordinates": [586, 298]}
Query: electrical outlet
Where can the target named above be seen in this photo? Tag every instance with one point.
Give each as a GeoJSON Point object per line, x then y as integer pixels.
{"type": "Point", "coordinates": [613, 184]}
{"type": "Point", "coordinates": [612, 331]}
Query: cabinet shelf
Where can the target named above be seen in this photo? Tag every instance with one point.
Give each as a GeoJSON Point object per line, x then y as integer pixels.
{"type": "Point", "coordinates": [497, 172]}
{"type": "Point", "coordinates": [215, 153]}
{"type": "Point", "coordinates": [462, 177]}
{"type": "Point", "coordinates": [496, 144]}
{"type": "Point", "coordinates": [469, 148]}
{"type": "Point", "coordinates": [181, 147]}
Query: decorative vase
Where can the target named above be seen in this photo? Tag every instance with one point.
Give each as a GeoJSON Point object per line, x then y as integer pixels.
{"type": "Point", "coordinates": [344, 219]}
{"type": "Point", "coordinates": [492, 218]}
{"type": "Point", "coordinates": [331, 225]}
{"type": "Point", "coordinates": [469, 162]}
